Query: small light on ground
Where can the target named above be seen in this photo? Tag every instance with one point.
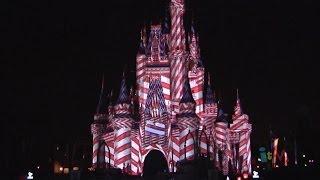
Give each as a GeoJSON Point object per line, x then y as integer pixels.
{"type": "Point", "coordinates": [245, 176]}
{"type": "Point", "coordinates": [61, 168]}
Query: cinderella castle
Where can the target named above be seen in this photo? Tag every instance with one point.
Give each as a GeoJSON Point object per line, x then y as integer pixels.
{"type": "Point", "coordinates": [171, 110]}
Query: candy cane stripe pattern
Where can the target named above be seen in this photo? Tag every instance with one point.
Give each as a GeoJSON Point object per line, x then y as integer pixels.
{"type": "Point", "coordinates": [135, 153]}
{"type": "Point", "coordinates": [242, 126]}
{"type": "Point", "coordinates": [170, 108]}
{"type": "Point", "coordinates": [178, 57]}
{"type": "Point", "coordinates": [196, 78]}
{"type": "Point", "coordinates": [203, 142]}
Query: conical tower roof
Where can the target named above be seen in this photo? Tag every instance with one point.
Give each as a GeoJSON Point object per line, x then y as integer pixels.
{"type": "Point", "coordinates": [187, 94]}
{"type": "Point", "coordinates": [123, 93]}
{"type": "Point", "coordinates": [210, 99]}
{"type": "Point", "coordinates": [222, 117]}
{"type": "Point", "coordinates": [102, 103]}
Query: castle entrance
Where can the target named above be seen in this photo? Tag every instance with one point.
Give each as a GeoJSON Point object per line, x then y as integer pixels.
{"type": "Point", "coordinates": [155, 165]}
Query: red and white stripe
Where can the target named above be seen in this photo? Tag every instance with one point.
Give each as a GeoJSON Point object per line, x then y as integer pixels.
{"type": "Point", "coordinates": [187, 144]}
{"type": "Point", "coordinates": [122, 147]}
{"type": "Point", "coordinates": [135, 153]}
{"type": "Point", "coordinates": [178, 58]}
{"type": "Point", "coordinates": [109, 139]}
{"type": "Point", "coordinates": [194, 48]}
{"type": "Point", "coordinates": [140, 63]}
{"type": "Point", "coordinates": [178, 77]}
{"type": "Point", "coordinates": [96, 137]}
{"type": "Point", "coordinates": [246, 163]}
{"type": "Point", "coordinates": [240, 123]}
{"type": "Point", "coordinates": [165, 83]}
{"type": "Point", "coordinates": [220, 132]}
{"type": "Point", "coordinates": [211, 113]}
{"type": "Point", "coordinates": [143, 92]}
{"type": "Point", "coordinates": [95, 150]}
{"type": "Point", "coordinates": [196, 80]}
{"type": "Point", "coordinates": [174, 155]}
{"type": "Point", "coordinates": [203, 142]}
{"type": "Point", "coordinates": [177, 28]}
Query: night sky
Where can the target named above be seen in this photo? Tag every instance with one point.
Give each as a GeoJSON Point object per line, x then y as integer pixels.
{"type": "Point", "coordinates": [55, 53]}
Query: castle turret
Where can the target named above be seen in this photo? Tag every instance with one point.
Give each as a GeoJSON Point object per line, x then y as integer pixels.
{"type": "Point", "coordinates": [206, 124]}
{"type": "Point", "coordinates": [242, 128]}
{"type": "Point", "coordinates": [188, 123]}
{"type": "Point", "coordinates": [98, 126]}
{"type": "Point", "coordinates": [122, 123]}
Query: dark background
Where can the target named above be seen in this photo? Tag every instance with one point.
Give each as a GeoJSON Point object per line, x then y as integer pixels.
{"type": "Point", "coordinates": [54, 54]}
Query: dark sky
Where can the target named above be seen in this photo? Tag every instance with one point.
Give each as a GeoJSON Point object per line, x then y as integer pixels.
{"type": "Point", "coordinates": [56, 51]}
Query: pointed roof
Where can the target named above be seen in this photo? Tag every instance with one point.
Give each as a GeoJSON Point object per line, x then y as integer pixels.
{"type": "Point", "coordinates": [155, 89]}
{"type": "Point", "coordinates": [102, 103]}
{"type": "Point", "coordinates": [166, 23]}
{"type": "Point", "coordinates": [209, 95]}
{"type": "Point", "coordinates": [110, 96]}
{"type": "Point", "coordinates": [187, 94]}
{"type": "Point", "coordinates": [142, 48]}
{"type": "Point", "coordinates": [123, 93]}
{"type": "Point", "coordinates": [222, 117]}
{"type": "Point", "coordinates": [237, 108]}
{"type": "Point", "coordinates": [194, 45]}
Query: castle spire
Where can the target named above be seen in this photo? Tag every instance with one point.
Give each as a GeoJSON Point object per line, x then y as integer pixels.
{"type": "Point", "coordinates": [177, 51]}
{"type": "Point", "coordinates": [194, 45]}
{"type": "Point", "coordinates": [141, 49]}
{"type": "Point", "coordinates": [237, 108]}
{"type": "Point", "coordinates": [210, 95]}
{"type": "Point", "coordinates": [166, 22]}
{"type": "Point", "coordinates": [123, 93]}
{"type": "Point", "coordinates": [177, 9]}
{"type": "Point", "coordinates": [101, 107]}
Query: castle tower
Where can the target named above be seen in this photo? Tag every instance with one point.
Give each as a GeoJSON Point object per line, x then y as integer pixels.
{"type": "Point", "coordinates": [188, 123]}
{"type": "Point", "coordinates": [122, 123]}
{"type": "Point", "coordinates": [196, 72]}
{"type": "Point", "coordinates": [178, 54]}
{"type": "Point", "coordinates": [97, 127]}
{"type": "Point", "coordinates": [207, 123]}
{"type": "Point", "coordinates": [241, 128]}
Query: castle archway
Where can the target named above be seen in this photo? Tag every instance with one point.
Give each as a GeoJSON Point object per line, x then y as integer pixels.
{"type": "Point", "coordinates": [154, 164]}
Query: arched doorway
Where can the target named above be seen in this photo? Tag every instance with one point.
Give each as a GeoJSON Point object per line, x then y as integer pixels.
{"type": "Point", "coordinates": [155, 164]}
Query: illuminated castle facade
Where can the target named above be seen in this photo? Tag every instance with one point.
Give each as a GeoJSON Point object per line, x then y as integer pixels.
{"type": "Point", "coordinates": [172, 109]}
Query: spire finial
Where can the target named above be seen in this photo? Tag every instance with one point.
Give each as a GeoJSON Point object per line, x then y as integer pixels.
{"type": "Point", "coordinates": [209, 79]}
{"type": "Point", "coordinates": [237, 93]}
{"type": "Point", "coordinates": [237, 109]}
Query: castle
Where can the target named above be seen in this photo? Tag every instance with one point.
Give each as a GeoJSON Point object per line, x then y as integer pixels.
{"type": "Point", "coordinates": [172, 109]}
